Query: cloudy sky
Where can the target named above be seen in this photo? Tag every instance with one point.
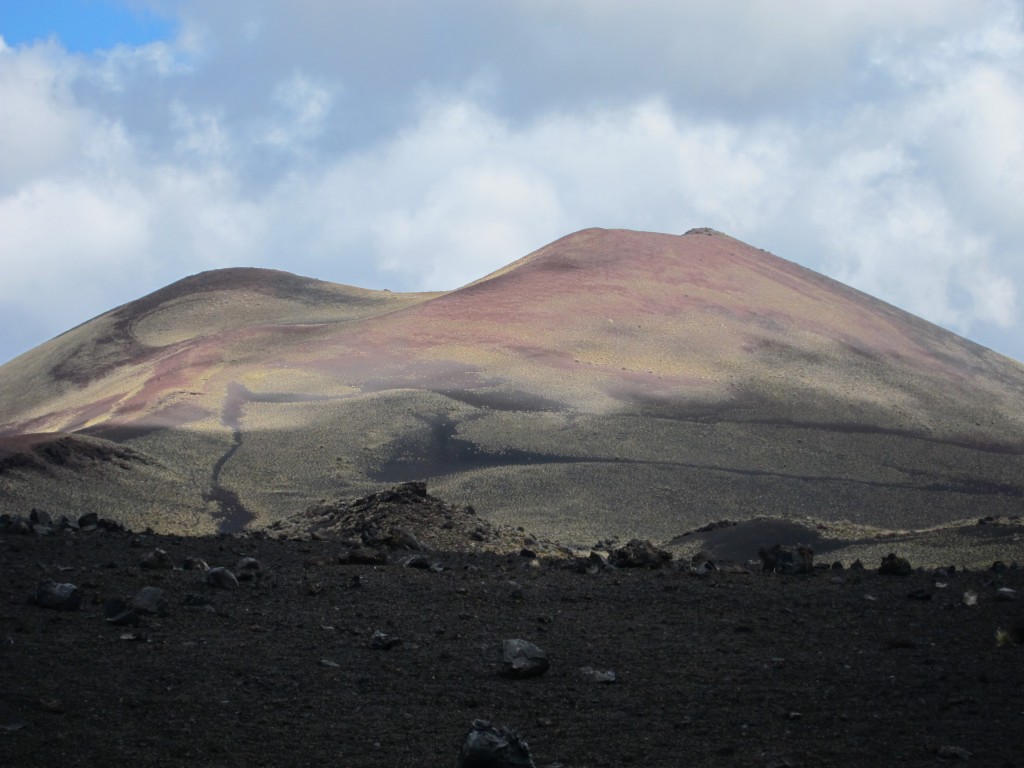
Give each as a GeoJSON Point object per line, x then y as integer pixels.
{"type": "Point", "coordinates": [414, 145]}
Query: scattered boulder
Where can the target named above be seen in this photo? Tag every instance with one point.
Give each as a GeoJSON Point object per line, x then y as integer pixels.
{"type": "Point", "coordinates": [41, 518]}
{"type": "Point", "coordinates": [521, 659]}
{"type": "Point", "coordinates": [248, 568]}
{"type": "Point", "coordinates": [363, 556]}
{"type": "Point", "coordinates": [703, 567]}
{"type": "Point", "coordinates": [892, 565]}
{"type": "Point", "coordinates": [1012, 636]}
{"type": "Point", "coordinates": [593, 563]}
{"type": "Point", "coordinates": [156, 560]}
{"type": "Point", "coordinates": [150, 601]}
{"type": "Point", "coordinates": [88, 522]}
{"type": "Point", "coordinates": [59, 597]}
{"type": "Point", "coordinates": [639, 554]}
{"type": "Point", "coordinates": [221, 578]}
{"type": "Point", "coordinates": [192, 600]}
{"type": "Point", "coordinates": [194, 564]}
{"type": "Point", "coordinates": [14, 524]}
{"type": "Point", "coordinates": [419, 561]}
{"type": "Point", "coordinates": [781, 559]}
{"type": "Point", "coordinates": [118, 613]}
{"type": "Point", "coordinates": [490, 746]}
{"type": "Point", "coordinates": [402, 538]}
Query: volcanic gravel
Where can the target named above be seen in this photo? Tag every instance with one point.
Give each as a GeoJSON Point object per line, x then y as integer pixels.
{"type": "Point", "coordinates": [835, 668]}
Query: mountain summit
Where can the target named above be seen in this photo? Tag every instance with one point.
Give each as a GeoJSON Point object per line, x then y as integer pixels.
{"type": "Point", "coordinates": [612, 382]}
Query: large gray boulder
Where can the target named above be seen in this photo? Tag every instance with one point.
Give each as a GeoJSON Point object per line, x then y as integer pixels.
{"type": "Point", "coordinates": [493, 746]}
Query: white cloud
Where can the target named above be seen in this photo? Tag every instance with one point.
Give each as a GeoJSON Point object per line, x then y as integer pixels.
{"type": "Point", "coordinates": [878, 141]}
{"type": "Point", "coordinates": [303, 107]}
{"type": "Point", "coordinates": [40, 125]}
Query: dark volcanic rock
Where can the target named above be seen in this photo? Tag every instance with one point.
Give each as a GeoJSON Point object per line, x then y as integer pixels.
{"type": "Point", "coordinates": [118, 613]}
{"type": "Point", "coordinates": [892, 565]}
{"type": "Point", "coordinates": [489, 746]}
{"type": "Point", "coordinates": [402, 517]}
{"type": "Point", "coordinates": [221, 578]}
{"type": "Point", "coordinates": [381, 641]}
{"type": "Point", "coordinates": [151, 601]}
{"type": "Point", "coordinates": [248, 568]}
{"type": "Point", "coordinates": [156, 560]}
{"type": "Point", "coordinates": [363, 556]}
{"type": "Point", "coordinates": [639, 554]}
{"type": "Point", "coordinates": [90, 521]}
{"type": "Point", "coordinates": [59, 597]}
{"type": "Point", "coordinates": [14, 524]}
{"type": "Point", "coordinates": [598, 675]}
{"type": "Point", "coordinates": [521, 659]}
{"type": "Point", "coordinates": [781, 559]}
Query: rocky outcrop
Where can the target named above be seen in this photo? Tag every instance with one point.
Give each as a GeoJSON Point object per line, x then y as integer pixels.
{"type": "Point", "coordinates": [405, 518]}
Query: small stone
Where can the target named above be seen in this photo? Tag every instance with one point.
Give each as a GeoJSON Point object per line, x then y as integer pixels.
{"type": "Point", "coordinates": [489, 746]}
{"type": "Point", "coordinates": [422, 562]}
{"type": "Point", "coordinates": [1012, 636]}
{"type": "Point", "coordinates": [329, 663]}
{"type": "Point", "coordinates": [381, 641]}
{"type": "Point", "coordinates": [363, 556]}
{"type": "Point", "coordinates": [194, 564]}
{"type": "Point", "coordinates": [120, 614]}
{"type": "Point", "coordinates": [598, 675]}
{"type": "Point", "coordinates": [56, 706]}
{"type": "Point", "coordinates": [59, 597]}
{"type": "Point", "coordinates": [953, 752]}
{"type": "Point", "coordinates": [88, 522]}
{"type": "Point", "coordinates": [521, 659]}
{"type": "Point", "coordinates": [156, 560]}
{"type": "Point", "coordinates": [970, 597]}
{"type": "Point", "coordinates": [13, 725]}
{"type": "Point", "coordinates": [221, 578]}
{"type": "Point", "coordinates": [1006, 594]}
{"type": "Point", "coordinates": [402, 538]}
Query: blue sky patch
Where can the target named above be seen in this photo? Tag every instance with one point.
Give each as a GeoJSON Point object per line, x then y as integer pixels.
{"type": "Point", "coordinates": [81, 26]}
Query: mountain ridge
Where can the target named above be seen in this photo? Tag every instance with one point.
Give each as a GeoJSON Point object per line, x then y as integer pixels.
{"type": "Point", "coordinates": [609, 382]}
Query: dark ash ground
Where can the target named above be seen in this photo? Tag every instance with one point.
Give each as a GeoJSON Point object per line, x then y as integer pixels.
{"type": "Point", "coordinates": [829, 669]}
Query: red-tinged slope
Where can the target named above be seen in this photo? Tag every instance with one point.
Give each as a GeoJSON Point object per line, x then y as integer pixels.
{"type": "Point", "coordinates": [611, 382]}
